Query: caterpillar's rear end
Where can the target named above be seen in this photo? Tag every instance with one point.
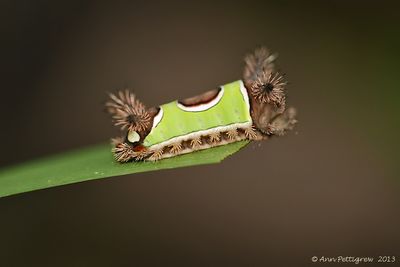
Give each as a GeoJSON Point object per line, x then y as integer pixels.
{"type": "Point", "coordinates": [250, 109]}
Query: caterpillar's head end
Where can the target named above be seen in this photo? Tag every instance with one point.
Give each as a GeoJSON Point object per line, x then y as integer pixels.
{"type": "Point", "coordinates": [130, 115]}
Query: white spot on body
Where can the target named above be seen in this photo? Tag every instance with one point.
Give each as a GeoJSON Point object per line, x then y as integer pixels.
{"type": "Point", "coordinates": [133, 136]}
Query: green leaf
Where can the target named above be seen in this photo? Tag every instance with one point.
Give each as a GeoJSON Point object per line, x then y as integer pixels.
{"type": "Point", "coordinates": [94, 163]}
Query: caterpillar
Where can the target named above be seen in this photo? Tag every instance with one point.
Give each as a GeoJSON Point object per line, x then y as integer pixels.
{"type": "Point", "coordinates": [253, 108]}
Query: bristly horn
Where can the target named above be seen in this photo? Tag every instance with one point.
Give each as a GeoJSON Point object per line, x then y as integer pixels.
{"type": "Point", "coordinates": [269, 88]}
{"type": "Point", "coordinates": [128, 112]}
{"type": "Point", "coordinates": [257, 63]}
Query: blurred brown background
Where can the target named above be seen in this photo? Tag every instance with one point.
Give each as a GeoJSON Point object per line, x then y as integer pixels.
{"type": "Point", "coordinates": [330, 188]}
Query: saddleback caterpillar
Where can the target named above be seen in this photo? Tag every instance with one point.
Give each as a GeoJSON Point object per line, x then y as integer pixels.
{"type": "Point", "coordinates": [250, 109]}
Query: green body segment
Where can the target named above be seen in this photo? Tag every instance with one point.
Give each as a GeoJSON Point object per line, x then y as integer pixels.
{"type": "Point", "coordinates": [232, 108]}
